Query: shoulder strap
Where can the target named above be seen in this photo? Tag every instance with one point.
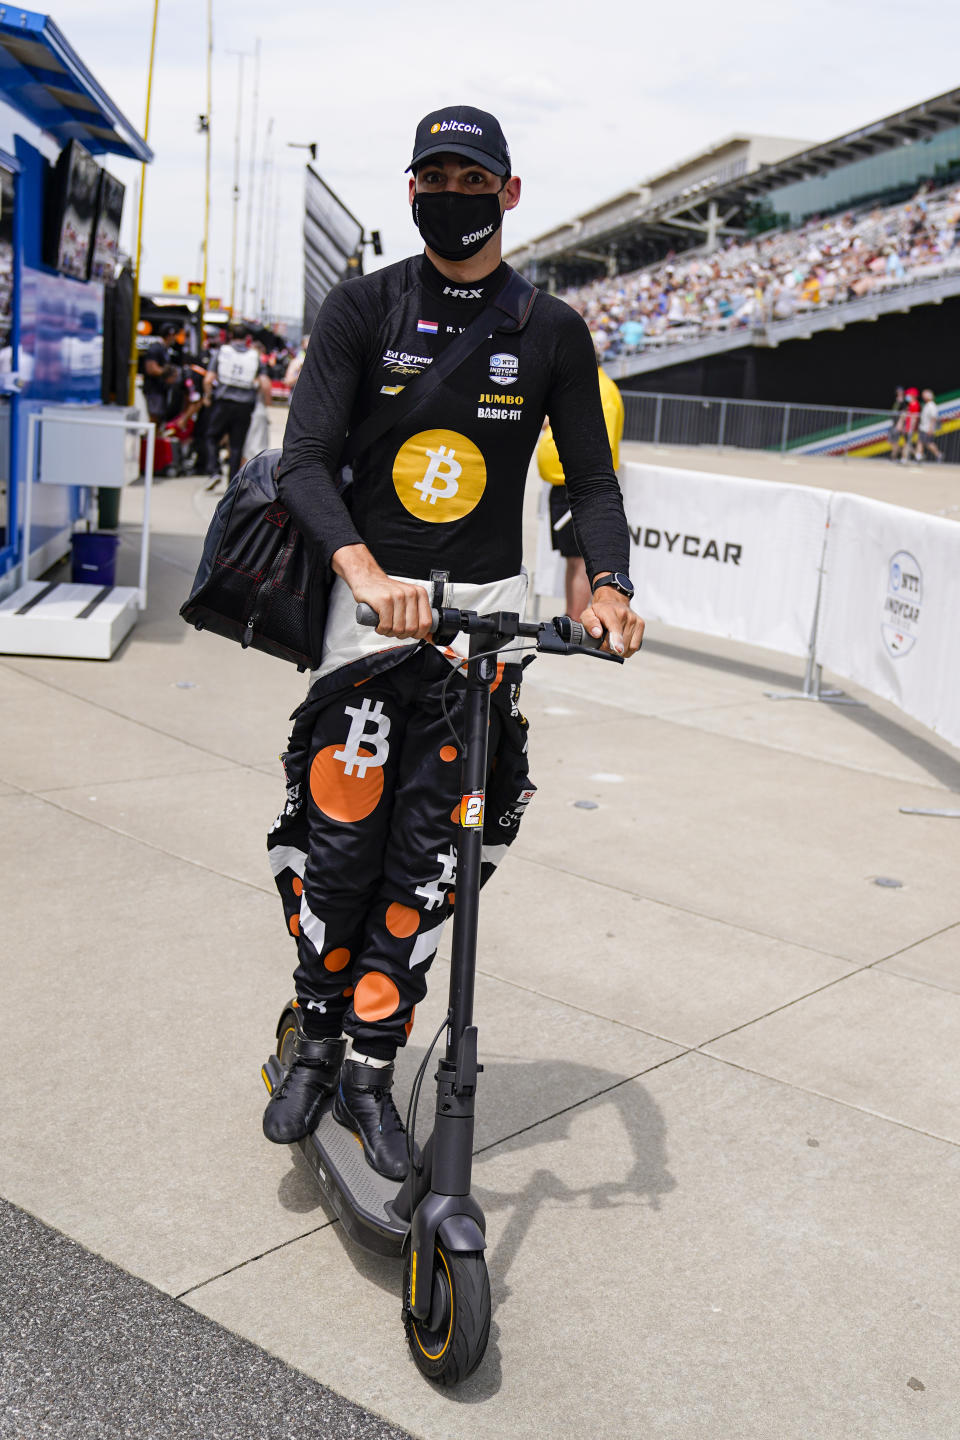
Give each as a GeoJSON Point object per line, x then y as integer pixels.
{"type": "Point", "coordinates": [509, 310]}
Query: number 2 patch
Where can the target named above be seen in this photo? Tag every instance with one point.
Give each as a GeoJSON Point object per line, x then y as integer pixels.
{"type": "Point", "coordinates": [471, 810]}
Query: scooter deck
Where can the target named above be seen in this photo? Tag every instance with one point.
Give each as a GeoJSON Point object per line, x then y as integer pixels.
{"type": "Point", "coordinates": [359, 1196]}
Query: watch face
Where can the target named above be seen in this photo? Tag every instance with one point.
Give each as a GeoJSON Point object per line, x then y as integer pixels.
{"type": "Point", "coordinates": [618, 581]}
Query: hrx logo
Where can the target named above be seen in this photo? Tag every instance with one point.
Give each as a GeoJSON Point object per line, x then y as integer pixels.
{"type": "Point", "coordinates": [463, 294]}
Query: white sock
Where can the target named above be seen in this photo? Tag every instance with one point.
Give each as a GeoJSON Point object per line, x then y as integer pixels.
{"type": "Point", "coordinates": [361, 1059]}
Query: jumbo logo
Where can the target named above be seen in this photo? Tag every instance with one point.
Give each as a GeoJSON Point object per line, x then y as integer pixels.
{"type": "Point", "coordinates": [439, 475]}
{"type": "Point", "coordinates": [901, 606]}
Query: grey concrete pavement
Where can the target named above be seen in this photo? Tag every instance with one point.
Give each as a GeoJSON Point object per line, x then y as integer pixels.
{"type": "Point", "coordinates": [718, 1136]}
{"type": "Point", "coordinates": [934, 489]}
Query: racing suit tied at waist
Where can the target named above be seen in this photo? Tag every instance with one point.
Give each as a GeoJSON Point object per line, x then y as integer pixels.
{"type": "Point", "coordinates": [345, 641]}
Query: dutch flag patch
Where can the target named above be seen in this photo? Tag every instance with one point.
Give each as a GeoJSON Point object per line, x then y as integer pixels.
{"type": "Point", "coordinates": [428, 327]}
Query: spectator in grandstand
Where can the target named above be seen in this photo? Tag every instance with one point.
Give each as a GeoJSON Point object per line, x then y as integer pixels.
{"type": "Point", "coordinates": [823, 262]}
{"type": "Point", "coordinates": [929, 423]}
{"type": "Point", "coordinates": [631, 334]}
{"type": "Point", "coordinates": [577, 593]}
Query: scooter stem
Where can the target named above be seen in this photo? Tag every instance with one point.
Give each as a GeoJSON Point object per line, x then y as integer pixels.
{"type": "Point", "coordinates": [447, 1210]}
{"type": "Point", "coordinates": [481, 674]}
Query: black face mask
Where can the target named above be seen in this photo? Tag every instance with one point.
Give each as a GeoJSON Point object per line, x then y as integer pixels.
{"type": "Point", "coordinates": [457, 226]}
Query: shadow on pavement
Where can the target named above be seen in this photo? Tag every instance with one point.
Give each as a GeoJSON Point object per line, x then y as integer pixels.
{"type": "Point", "coordinates": [645, 1178]}
{"type": "Point", "coordinates": [940, 766]}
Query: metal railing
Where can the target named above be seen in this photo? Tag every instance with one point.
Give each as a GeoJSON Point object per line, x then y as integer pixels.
{"type": "Point", "coordinates": [764, 425]}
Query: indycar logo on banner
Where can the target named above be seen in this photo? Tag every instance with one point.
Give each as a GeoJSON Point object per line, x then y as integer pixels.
{"type": "Point", "coordinates": [901, 606]}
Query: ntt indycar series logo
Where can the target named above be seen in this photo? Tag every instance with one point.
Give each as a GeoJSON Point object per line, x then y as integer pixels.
{"type": "Point", "coordinates": [446, 126]}
{"type": "Point", "coordinates": [504, 368]}
{"type": "Point", "coordinates": [901, 606]}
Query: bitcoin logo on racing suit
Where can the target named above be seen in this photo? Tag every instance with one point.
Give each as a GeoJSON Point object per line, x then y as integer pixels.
{"type": "Point", "coordinates": [356, 761]}
{"type": "Point", "coordinates": [346, 782]}
{"type": "Point", "coordinates": [439, 475]}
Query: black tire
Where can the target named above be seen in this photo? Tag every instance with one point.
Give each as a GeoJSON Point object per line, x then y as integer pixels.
{"type": "Point", "coordinates": [452, 1350]}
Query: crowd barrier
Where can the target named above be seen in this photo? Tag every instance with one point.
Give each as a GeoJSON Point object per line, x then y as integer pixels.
{"type": "Point", "coordinates": [890, 607]}
{"type": "Point", "coordinates": [868, 590]}
{"type": "Point", "coordinates": [777, 427]}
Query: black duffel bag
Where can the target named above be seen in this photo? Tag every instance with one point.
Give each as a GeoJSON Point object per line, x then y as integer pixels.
{"type": "Point", "coordinates": [257, 581]}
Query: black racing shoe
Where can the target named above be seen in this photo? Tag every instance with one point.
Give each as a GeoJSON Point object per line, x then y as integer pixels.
{"type": "Point", "coordinates": [364, 1104]}
{"type": "Point", "coordinates": [293, 1110]}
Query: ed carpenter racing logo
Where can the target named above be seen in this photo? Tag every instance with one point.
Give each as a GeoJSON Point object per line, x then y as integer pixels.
{"type": "Point", "coordinates": [901, 607]}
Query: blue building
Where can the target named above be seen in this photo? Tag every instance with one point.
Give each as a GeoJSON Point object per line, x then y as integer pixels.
{"type": "Point", "coordinates": [59, 226]}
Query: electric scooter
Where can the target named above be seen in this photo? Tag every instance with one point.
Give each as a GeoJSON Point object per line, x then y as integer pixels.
{"type": "Point", "coordinates": [431, 1218]}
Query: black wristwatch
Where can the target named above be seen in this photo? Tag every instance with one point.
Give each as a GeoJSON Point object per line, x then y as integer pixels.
{"type": "Point", "coordinates": [617, 581]}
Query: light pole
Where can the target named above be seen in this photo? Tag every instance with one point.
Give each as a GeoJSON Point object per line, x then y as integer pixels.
{"type": "Point", "coordinates": [250, 181]}
{"type": "Point", "coordinates": [240, 54]}
{"type": "Point", "coordinates": [206, 121]}
{"type": "Point", "coordinates": [135, 319]}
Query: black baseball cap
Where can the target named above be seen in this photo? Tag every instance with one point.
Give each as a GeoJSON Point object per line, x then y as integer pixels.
{"type": "Point", "coordinates": [462, 130]}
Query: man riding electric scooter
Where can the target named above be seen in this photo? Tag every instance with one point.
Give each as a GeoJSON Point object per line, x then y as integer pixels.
{"type": "Point", "coordinates": [364, 853]}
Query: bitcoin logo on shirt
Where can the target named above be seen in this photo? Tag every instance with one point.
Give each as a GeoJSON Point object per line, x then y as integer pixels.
{"type": "Point", "coordinates": [439, 475]}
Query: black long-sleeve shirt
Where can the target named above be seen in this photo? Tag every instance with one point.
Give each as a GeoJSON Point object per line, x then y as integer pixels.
{"type": "Point", "coordinates": [444, 488]}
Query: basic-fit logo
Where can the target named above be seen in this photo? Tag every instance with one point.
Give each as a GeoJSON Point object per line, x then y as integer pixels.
{"type": "Point", "coordinates": [901, 607]}
{"type": "Point", "coordinates": [439, 475]}
{"type": "Point", "coordinates": [504, 369]}
{"type": "Point", "coordinates": [457, 125]}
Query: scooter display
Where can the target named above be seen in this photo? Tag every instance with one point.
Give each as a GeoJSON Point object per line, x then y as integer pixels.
{"type": "Point", "coordinates": [431, 1218]}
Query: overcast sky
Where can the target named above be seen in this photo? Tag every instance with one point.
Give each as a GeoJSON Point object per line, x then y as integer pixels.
{"type": "Point", "coordinates": [591, 99]}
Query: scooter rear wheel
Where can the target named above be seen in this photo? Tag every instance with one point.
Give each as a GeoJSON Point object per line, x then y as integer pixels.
{"type": "Point", "coordinates": [449, 1345]}
{"type": "Point", "coordinates": [285, 1039]}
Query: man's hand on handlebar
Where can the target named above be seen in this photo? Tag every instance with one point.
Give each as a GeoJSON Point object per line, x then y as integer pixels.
{"type": "Point", "coordinates": [404, 610]}
{"type": "Point", "coordinates": [611, 611]}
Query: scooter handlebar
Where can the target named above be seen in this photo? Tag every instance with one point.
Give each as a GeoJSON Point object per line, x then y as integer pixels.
{"type": "Point", "coordinates": [562, 635]}
{"type": "Point", "coordinates": [366, 615]}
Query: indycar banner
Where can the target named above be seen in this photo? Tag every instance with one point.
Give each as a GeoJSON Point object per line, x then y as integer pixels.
{"type": "Point", "coordinates": [888, 615]}
{"type": "Point", "coordinates": [726, 556]}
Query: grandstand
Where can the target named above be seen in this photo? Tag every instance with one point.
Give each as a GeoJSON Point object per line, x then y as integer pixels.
{"type": "Point", "coordinates": [703, 280]}
{"type": "Point", "coordinates": [673, 210]}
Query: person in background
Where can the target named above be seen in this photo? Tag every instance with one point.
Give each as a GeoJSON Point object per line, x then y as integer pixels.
{"type": "Point", "coordinates": [234, 380]}
{"type": "Point", "coordinates": [160, 374]}
{"type": "Point", "coordinates": [292, 372]}
{"type": "Point", "coordinates": [911, 422]}
{"type": "Point", "coordinates": [562, 535]}
{"type": "Point", "coordinates": [929, 421]}
{"type": "Point", "coordinates": [896, 435]}
{"type": "Point", "coordinates": [258, 436]}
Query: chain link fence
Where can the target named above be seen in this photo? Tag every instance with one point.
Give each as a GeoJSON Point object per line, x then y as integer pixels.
{"type": "Point", "coordinates": [764, 425]}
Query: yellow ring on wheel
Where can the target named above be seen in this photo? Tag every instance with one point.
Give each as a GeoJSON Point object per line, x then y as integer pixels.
{"type": "Point", "coordinates": [440, 1353]}
{"type": "Point", "coordinates": [291, 1030]}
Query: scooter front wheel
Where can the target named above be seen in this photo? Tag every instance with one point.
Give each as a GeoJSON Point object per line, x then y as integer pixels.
{"type": "Point", "coordinates": [449, 1345]}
